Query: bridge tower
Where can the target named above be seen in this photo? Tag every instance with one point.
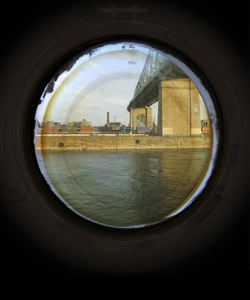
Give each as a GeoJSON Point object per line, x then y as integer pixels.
{"type": "Point", "coordinates": [141, 115]}
{"type": "Point", "coordinates": [178, 108]}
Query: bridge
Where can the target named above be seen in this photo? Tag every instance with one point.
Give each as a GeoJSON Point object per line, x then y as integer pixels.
{"type": "Point", "coordinates": [178, 98]}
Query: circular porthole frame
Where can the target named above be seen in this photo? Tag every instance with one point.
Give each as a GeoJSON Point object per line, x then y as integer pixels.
{"type": "Point", "coordinates": [43, 218]}
{"type": "Point", "coordinates": [172, 55]}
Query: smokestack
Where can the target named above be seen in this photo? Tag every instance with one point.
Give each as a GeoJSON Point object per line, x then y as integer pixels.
{"type": "Point", "coordinates": [108, 118]}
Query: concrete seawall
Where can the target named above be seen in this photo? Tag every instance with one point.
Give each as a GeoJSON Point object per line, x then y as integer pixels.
{"type": "Point", "coordinates": [78, 142]}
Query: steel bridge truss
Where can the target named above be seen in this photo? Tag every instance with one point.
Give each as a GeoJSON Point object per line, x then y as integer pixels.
{"type": "Point", "coordinates": [156, 68]}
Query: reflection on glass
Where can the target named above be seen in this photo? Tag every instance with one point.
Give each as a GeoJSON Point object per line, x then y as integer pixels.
{"type": "Point", "coordinates": [123, 136]}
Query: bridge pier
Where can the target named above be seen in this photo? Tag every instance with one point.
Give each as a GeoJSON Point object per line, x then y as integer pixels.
{"type": "Point", "coordinates": [137, 114]}
{"type": "Point", "coordinates": [178, 108]}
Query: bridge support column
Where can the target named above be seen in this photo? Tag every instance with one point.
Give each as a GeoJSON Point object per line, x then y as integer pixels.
{"type": "Point", "coordinates": [149, 117]}
{"type": "Point", "coordinates": [178, 108]}
{"type": "Point", "coordinates": [144, 111]}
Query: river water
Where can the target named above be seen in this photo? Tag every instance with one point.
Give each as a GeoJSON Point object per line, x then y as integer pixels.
{"type": "Point", "coordinates": [124, 188]}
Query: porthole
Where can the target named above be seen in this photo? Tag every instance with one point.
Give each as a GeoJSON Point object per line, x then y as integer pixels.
{"type": "Point", "coordinates": [41, 225]}
{"type": "Point", "coordinates": [126, 135]}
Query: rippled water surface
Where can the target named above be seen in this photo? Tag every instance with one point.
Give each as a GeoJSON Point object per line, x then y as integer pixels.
{"type": "Point", "coordinates": [124, 188]}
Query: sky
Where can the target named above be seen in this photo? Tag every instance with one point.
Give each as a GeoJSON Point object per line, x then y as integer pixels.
{"type": "Point", "coordinates": [97, 84]}
{"type": "Point", "coordinates": [104, 82]}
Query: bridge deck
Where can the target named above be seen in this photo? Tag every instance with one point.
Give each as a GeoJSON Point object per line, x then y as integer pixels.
{"type": "Point", "coordinates": [155, 70]}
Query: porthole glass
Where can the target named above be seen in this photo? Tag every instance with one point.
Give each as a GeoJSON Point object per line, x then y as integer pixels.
{"type": "Point", "coordinates": [125, 135]}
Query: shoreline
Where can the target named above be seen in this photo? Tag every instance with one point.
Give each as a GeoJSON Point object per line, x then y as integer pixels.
{"type": "Point", "coordinates": [62, 143]}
